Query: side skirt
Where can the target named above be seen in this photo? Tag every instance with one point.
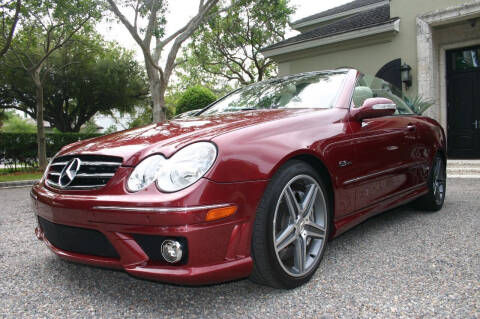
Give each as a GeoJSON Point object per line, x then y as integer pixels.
{"type": "Point", "coordinates": [344, 224]}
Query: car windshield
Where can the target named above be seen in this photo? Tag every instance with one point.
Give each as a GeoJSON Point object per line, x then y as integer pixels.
{"type": "Point", "coordinates": [307, 90]}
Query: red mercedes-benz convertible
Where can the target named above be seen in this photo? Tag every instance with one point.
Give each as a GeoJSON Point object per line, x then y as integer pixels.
{"type": "Point", "coordinates": [253, 186]}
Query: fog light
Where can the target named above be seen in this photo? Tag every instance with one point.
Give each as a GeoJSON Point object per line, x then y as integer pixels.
{"type": "Point", "coordinates": [171, 251]}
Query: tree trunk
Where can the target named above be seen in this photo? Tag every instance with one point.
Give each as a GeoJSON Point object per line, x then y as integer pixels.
{"type": "Point", "coordinates": [158, 99]}
{"type": "Point", "coordinates": [163, 104]}
{"type": "Point", "coordinates": [41, 142]}
{"type": "Point", "coordinates": [157, 92]}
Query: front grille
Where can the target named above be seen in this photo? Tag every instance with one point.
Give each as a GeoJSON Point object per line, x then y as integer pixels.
{"type": "Point", "coordinates": [94, 171]}
{"type": "Point", "coordinates": [77, 240]}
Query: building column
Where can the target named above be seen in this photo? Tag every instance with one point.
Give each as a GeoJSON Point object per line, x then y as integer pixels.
{"type": "Point", "coordinates": [425, 67]}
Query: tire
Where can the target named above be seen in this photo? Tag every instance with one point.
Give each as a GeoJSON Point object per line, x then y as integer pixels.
{"type": "Point", "coordinates": [437, 186]}
{"type": "Point", "coordinates": [291, 227]}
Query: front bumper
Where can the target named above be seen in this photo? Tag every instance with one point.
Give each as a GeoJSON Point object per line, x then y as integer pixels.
{"type": "Point", "coordinates": [217, 251]}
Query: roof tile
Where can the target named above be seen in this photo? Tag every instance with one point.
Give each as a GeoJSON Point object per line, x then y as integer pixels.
{"type": "Point", "coordinates": [346, 7]}
{"type": "Point", "coordinates": [362, 20]}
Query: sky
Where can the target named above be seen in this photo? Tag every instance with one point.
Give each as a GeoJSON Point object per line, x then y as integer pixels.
{"type": "Point", "coordinates": [181, 10]}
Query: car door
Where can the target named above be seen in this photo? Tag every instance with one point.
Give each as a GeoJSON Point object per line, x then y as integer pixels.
{"type": "Point", "coordinates": [383, 147]}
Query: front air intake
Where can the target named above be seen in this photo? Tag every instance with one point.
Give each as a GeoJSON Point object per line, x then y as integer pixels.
{"type": "Point", "coordinates": [77, 240]}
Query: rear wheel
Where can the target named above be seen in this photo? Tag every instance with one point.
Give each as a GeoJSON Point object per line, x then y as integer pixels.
{"type": "Point", "coordinates": [291, 227]}
{"type": "Point", "coordinates": [437, 186]}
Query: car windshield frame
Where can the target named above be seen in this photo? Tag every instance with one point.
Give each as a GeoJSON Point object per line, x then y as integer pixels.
{"type": "Point", "coordinates": [292, 81]}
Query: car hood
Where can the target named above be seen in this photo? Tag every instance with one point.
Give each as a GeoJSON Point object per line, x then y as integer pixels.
{"type": "Point", "coordinates": [167, 137]}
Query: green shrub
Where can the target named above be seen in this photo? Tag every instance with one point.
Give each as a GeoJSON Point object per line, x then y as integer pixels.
{"type": "Point", "coordinates": [144, 116]}
{"type": "Point", "coordinates": [195, 97]}
{"type": "Point", "coordinates": [20, 149]}
{"type": "Point", "coordinates": [13, 123]}
{"type": "Point", "coordinates": [418, 104]}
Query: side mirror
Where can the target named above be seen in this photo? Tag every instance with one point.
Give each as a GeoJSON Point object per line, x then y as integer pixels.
{"type": "Point", "coordinates": [374, 107]}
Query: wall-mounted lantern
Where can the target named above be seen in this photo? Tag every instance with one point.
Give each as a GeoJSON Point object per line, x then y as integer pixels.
{"type": "Point", "coordinates": [406, 75]}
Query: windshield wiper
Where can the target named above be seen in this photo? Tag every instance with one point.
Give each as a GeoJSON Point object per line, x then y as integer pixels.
{"type": "Point", "coordinates": [240, 109]}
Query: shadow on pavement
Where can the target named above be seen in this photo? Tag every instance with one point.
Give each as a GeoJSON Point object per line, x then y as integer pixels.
{"type": "Point", "coordinates": [116, 288]}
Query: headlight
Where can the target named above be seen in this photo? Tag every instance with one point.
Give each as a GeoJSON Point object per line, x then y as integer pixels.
{"type": "Point", "coordinates": [181, 170]}
{"type": "Point", "coordinates": [187, 166]}
{"type": "Point", "coordinates": [145, 173]}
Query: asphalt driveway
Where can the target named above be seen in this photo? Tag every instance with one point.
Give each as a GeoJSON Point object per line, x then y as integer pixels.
{"type": "Point", "coordinates": [403, 263]}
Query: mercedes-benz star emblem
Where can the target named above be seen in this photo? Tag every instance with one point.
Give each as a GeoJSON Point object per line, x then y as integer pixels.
{"type": "Point", "coordinates": [69, 172]}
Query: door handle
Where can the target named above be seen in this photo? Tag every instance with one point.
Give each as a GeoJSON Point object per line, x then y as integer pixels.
{"type": "Point", "coordinates": [475, 124]}
{"type": "Point", "coordinates": [411, 127]}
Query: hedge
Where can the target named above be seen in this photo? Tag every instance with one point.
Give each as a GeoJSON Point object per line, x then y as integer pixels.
{"type": "Point", "coordinates": [195, 97]}
{"type": "Point", "coordinates": [20, 149]}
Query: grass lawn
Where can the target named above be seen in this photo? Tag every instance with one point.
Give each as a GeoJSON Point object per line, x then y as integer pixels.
{"type": "Point", "coordinates": [20, 176]}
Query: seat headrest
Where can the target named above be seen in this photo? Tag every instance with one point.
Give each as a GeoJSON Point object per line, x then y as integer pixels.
{"type": "Point", "coordinates": [360, 94]}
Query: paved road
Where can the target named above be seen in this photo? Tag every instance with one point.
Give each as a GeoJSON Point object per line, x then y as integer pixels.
{"type": "Point", "coordinates": [404, 263]}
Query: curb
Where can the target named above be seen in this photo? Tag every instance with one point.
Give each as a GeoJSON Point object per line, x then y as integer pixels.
{"type": "Point", "coordinates": [474, 176]}
{"type": "Point", "coordinates": [18, 184]}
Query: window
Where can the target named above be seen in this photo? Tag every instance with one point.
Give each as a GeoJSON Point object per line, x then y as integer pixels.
{"type": "Point", "coordinates": [369, 86]}
{"type": "Point", "coordinates": [467, 59]}
{"type": "Point", "coordinates": [308, 90]}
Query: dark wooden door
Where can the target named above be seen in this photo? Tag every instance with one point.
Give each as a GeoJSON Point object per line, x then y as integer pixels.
{"type": "Point", "coordinates": [463, 95]}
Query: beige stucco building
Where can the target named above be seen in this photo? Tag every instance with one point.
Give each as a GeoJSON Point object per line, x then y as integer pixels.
{"type": "Point", "coordinates": [438, 39]}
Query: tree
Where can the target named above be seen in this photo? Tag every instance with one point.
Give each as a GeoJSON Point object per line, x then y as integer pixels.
{"type": "Point", "coordinates": [56, 21]}
{"type": "Point", "coordinates": [237, 35]}
{"type": "Point", "coordinates": [188, 74]}
{"type": "Point", "coordinates": [90, 127]}
{"type": "Point", "coordinates": [154, 13]}
{"type": "Point", "coordinates": [84, 77]}
{"type": "Point", "coordinates": [111, 129]}
{"type": "Point", "coordinates": [10, 14]}
{"type": "Point", "coordinates": [141, 118]}
{"type": "Point", "coordinates": [3, 118]}
{"type": "Point", "coordinates": [15, 124]}
{"type": "Point", "coordinates": [195, 97]}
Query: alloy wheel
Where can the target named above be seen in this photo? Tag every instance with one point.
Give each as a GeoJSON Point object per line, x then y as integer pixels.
{"type": "Point", "coordinates": [439, 181]}
{"type": "Point", "coordinates": [299, 225]}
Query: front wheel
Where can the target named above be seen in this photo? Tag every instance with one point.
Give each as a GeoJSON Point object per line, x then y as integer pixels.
{"type": "Point", "coordinates": [437, 186]}
{"type": "Point", "coordinates": [291, 227]}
